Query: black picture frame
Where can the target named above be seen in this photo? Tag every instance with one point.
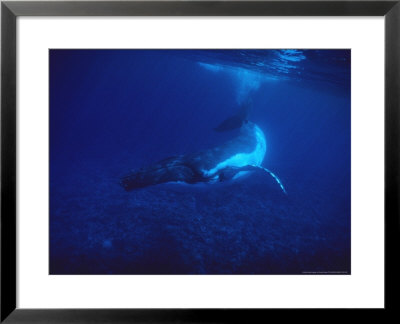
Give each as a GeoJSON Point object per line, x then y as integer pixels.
{"type": "Point", "coordinates": [10, 10]}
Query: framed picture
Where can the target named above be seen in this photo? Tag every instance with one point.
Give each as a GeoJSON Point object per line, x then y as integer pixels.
{"type": "Point", "coordinates": [197, 161]}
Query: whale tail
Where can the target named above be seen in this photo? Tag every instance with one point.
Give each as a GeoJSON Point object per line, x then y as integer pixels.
{"type": "Point", "coordinates": [237, 120]}
{"type": "Point", "coordinates": [168, 170]}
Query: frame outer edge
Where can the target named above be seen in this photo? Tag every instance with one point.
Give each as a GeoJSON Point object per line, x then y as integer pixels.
{"type": "Point", "coordinates": [202, 8]}
{"type": "Point", "coordinates": [8, 162]}
{"type": "Point", "coordinates": [392, 155]}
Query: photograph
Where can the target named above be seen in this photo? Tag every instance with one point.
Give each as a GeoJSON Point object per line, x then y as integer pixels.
{"type": "Point", "coordinates": [200, 161]}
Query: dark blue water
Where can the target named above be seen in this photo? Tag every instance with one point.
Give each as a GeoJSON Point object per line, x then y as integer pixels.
{"type": "Point", "coordinates": [112, 111]}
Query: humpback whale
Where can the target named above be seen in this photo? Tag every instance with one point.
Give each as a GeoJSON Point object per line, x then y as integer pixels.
{"type": "Point", "coordinates": [237, 157]}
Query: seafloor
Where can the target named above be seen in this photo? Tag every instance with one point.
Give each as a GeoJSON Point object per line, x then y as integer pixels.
{"type": "Point", "coordinates": [246, 227]}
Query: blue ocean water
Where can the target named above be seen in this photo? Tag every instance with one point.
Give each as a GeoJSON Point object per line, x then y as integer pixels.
{"type": "Point", "coordinates": [113, 111]}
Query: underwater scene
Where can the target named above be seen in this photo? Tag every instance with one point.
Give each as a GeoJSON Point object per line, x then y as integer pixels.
{"type": "Point", "coordinates": [200, 161]}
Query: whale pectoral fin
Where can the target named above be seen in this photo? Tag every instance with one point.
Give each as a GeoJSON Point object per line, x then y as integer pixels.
{"type": "Point", "coordinates": [272, 175]}
{"type": "Point", "coordinates": [232, 171]}
{"type": "Point", "coordinates": [228, 173]}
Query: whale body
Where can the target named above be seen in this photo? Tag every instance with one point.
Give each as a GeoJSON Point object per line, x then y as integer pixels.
{"type": "Point", "coordinates": [237, 157]}
{"type": "Point", "coordinates": [235, 121]}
